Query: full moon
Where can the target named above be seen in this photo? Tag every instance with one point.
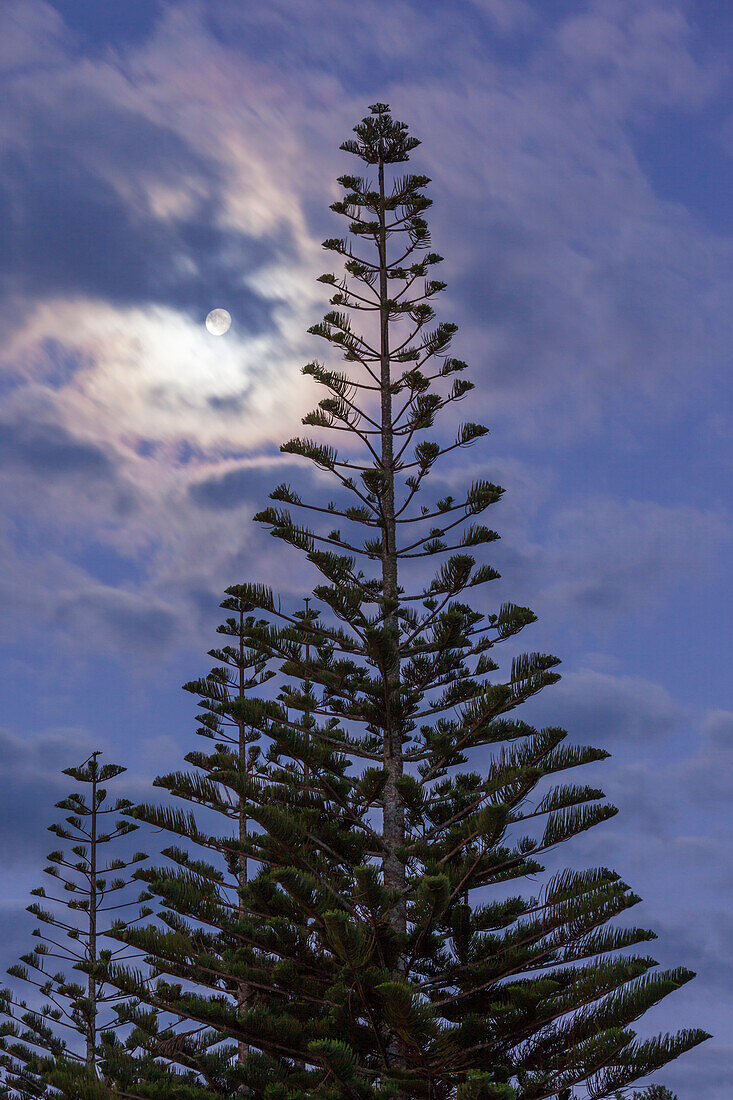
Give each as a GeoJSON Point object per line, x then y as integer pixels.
{"type": "Point", "coordinates": [218, 322]}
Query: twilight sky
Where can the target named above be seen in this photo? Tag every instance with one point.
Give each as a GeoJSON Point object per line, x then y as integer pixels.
{"type": "Point", "coordinates": [160, 159]}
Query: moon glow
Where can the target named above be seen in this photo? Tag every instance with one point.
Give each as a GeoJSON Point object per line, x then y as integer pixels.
{"type": "Point", "coordinates": [218, 322]}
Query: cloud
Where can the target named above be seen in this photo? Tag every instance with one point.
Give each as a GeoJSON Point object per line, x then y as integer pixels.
{"type": "Point", "coordinates": [707, 778]}
{"type": "Point", "coordinates": [33, 33]}
{"type": "Point", "coordinates": [617, 709]}
{"type": "Point", "coordinates": [188, 168]}
{"type": "Point", "coordinates": [51, 451]}
{"type": "Point", "coordinates": [611, 555]}
{"type": "Point", "coordinates": [581, 293]}
{"type": "Point", "coordinates": [30, 784]}
{"type": "Point", "coordinates": [151, 373]}
{"type": "Point", "coordinates": [632, 51]}
{"type": "Point", "coordinates": [718, 727]}
{"type": "Point", "coordinates": [508, 16]}
{"type": "Point", "coordinates": [705, 947]}
{"type": "Point", "coordinates": [704, 1071]}
{"type": "Point", "coordinates": [131, 621]}
{"type": "Point", "coordinates": [67, 233]}
{"type": "Point", "coordinates": [134, 197]}
{"type": "Point", "coordinates": [245, 483]}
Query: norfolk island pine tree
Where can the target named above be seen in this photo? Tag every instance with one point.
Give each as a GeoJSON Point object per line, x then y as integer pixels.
{"type": "Point", "coordinates": [375, 949]}
{"type": "Point", "coordinates": [51, 1047]}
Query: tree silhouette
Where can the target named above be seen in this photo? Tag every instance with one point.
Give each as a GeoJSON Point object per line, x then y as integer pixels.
{"type": "Point", "coordinates": [382, 944]}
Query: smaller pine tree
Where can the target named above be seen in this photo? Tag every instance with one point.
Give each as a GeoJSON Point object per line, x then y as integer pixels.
{"type": "Point", "coordinates": [182, 1057]}
{"type": "Point", "coordinates": [52, 1048]}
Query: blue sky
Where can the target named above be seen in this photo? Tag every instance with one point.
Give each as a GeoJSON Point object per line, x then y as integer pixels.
{"type": "Point", "coordinates": [160, 159]}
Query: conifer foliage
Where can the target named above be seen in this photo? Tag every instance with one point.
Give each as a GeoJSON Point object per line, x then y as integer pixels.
{"type": "Point", "coordinates": [51, 1045]}
{"type": "Point", "coordinates": [388, 803]}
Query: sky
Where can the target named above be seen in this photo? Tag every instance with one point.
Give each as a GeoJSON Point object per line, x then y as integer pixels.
{"type": "Point", "coordinates": [160, 159]}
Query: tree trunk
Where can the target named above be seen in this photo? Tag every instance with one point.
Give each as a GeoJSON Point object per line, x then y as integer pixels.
{"type": "Point", "coordinates": [394, 814]}
{"type": "Point", "coordinates": [243, 991]}
{"type": "Point", "coordinates": [91, 1053]}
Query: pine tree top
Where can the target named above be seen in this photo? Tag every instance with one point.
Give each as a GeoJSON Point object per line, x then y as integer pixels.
{"type": "Point", "coordinates": [381, 138]}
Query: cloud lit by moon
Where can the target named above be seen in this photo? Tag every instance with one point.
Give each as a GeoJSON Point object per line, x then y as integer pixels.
{"type": "Point", "coordinates": [218, 322]}
{"type": "Point", "coordinates": [154, 373]}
